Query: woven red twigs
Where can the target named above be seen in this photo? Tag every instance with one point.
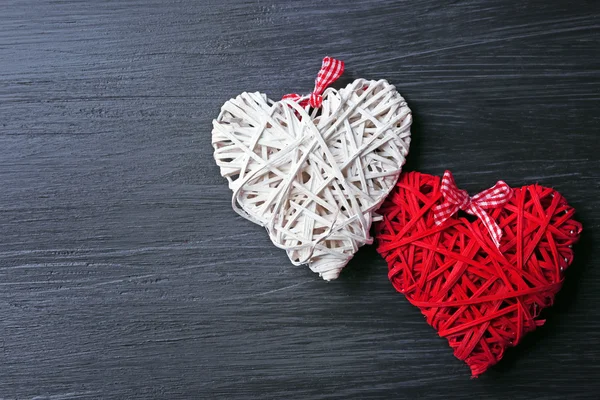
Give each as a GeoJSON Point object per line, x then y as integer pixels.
{"type": "Point", "coordinates": [479, 297]}
{"type": "Point", "coordinates": [330, 71]}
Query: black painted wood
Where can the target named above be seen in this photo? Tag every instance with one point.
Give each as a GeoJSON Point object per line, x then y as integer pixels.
{"type": "Point", "coordinates": [124, 273]}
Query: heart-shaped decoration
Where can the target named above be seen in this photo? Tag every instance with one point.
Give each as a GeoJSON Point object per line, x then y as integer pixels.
{"type": "Point", "coordinates": [314, 177]}
{"type": "Point", "coordinates": [482, 297]}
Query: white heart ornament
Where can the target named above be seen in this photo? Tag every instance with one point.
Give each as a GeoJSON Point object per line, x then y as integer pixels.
{"type": "Point", "coordinates": [314, 177]}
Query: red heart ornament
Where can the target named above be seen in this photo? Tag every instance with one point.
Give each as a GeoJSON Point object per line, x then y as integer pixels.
{"type": "Point", "coordinates": [480, 297]}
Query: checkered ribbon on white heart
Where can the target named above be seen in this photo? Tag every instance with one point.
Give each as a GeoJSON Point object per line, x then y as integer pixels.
{"type": "Point", "coordinates": [330, 71]}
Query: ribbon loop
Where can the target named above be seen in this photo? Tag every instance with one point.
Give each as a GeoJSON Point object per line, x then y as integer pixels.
{"type": "Point", "coordinates": [456, 199]}
{"type": "Point", "coordinates": [330, 71]}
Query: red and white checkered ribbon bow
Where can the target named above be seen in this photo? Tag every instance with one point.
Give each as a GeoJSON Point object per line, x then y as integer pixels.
{"type": "Point", "coordinates": [330, 71]}
{"type": "Point", "coordinates": [456, 199]}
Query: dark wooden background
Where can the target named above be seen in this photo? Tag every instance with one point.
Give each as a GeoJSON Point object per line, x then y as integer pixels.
{"type": "Point", "coordinates": [124, 273]}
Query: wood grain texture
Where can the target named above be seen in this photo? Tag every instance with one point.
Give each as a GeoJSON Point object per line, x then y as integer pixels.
{"type": "Point", "coordinates": [124, 273]}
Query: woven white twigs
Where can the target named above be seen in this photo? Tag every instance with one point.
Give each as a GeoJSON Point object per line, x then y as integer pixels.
{"type": "Point", "coordinates": [314, 177]}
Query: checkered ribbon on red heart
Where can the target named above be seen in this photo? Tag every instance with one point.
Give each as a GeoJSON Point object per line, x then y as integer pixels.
{"type": "Point", "coordinates": [330, 71]}
{"type": "Point", "coordinates": [456, 199]}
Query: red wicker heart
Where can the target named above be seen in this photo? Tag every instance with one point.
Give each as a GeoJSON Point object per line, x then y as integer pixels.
{"type": "Point", "coordinates": [483, 299]}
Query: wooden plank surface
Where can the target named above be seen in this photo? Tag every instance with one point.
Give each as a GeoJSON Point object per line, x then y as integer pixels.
{"type": "Point", "coordinates": [124, 273]}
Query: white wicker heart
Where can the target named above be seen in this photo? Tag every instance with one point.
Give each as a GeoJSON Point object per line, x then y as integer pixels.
{"type": "Point", "coordinates": [314, 177]}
